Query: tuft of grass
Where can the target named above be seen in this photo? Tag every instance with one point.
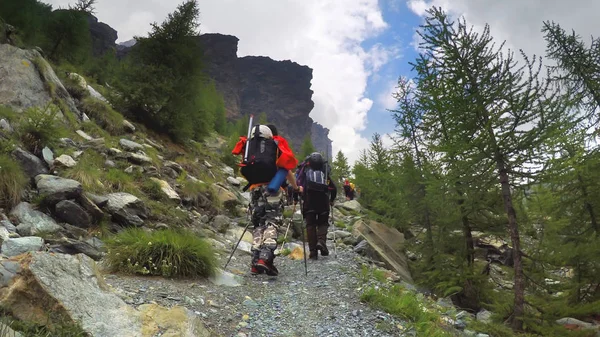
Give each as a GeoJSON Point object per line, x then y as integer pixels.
{"type": "Point", "coordinates": [120, 181]}
{"type": "Point", "coordinates": [12, 181]}
{"type": "Point", "coordinates": [405, 304]}
{"type": "Point", "coordinates": [104, 115]}
{"type": "Point", "coordinates": [286, 252]}
{"type": "Point", "coordinates": [153, 190]}
{"type": "Point", "coordinates": [88, 171]}
{"type": "Point", "coordinates": [168, 253]}
{"type": "Point", "coordinates": [41, 127]}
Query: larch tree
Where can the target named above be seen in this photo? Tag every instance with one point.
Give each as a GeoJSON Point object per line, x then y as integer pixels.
{"type": "Point", "coordinates": [499, 105]}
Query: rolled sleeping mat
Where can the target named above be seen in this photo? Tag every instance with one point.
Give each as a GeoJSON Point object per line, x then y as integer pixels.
{"type": "Point", "coordinates": [277, 180]}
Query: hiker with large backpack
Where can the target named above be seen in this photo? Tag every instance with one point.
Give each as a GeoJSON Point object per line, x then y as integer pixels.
{"type": "Point", "coordinates": [318, 193]}
{"type": "Point", "coordinates": [265, 164]}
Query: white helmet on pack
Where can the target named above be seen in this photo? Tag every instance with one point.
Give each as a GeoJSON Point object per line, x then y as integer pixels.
{"type": "Point", "coordinates": [263, 131]}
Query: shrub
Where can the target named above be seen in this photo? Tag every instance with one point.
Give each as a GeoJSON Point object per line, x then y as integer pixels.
{"type": "Point", "coordinates": [12, 181]}
{"type": "Point", "coordinates": [88, 171]}
{"type": "Point", "coordinates": [41, 128]}
{"type": "Point", "coordinates": [168, 253]}
{"type": "Point", "coordinates": [105, 116]}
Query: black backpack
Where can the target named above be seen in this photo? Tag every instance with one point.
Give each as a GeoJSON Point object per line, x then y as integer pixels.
{"type": "Point", "coordinates": [315, 180]}
{"type": "Point", "coordinates": [260, 165]}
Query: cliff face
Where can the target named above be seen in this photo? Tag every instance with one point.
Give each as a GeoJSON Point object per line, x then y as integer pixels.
{"type": "Point", "coordinates": [221, 64]}
{"type": "Point", "coordinates": [256, 84]}
{"type": "Point", "coordinates": [320, 138]}
{"type": "Point", "coordinates": [103, 36]}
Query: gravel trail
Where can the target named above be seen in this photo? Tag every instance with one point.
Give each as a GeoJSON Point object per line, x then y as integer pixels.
{"type": "Point", "coordinates": [324, 303]}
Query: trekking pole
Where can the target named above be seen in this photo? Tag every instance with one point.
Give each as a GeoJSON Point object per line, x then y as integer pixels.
{"type": "Point", "coordinates": [303, 242]}
{"type": "Point", "coordinates": [240, 240]}
{"type": "Point", "coordinates": [333, 222]}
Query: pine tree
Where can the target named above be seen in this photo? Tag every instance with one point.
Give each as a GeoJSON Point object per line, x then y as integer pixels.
{"type": "Point", "coordinates": [499, 106]}
{"type": "Point", "coordinates": [340, 166]}
{"type": "Point", "coordinates": [307, 147]}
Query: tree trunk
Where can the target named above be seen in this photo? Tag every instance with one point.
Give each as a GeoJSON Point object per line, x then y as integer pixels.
{"type": "Point", "coordinates": [519, 287]}
{"type": "Point", "coordinates": [588, 205]}
{"type": "Point", "coordinates": [466, 227]}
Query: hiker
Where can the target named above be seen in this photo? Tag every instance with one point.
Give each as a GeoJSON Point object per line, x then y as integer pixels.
{"type": "Point", "coordinates": [266, 155]}
{"type": "Point", "coordinates": [349, 190]}
{"type": "Point", "coordinates": [318, 193]}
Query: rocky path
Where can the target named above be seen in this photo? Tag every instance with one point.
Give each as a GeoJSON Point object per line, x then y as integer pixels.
{"type": "Point", "coordinates": [324, 303]}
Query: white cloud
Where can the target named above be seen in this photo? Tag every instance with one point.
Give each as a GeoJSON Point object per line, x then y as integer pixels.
{"type": "Point", "coordinates": [385, 98]}
{"type": "Point", "coordinates": [326, 35]}
{"type": "Point", "coordinates": [520, 22]}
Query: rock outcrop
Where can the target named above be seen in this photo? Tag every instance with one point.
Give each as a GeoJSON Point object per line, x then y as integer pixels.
{"type": "Point", "coordinates": [103, 36]}
{"type": "Point", "coordinates": [32, 290]}
{"type": "Point", "coordinates": [24, 78]}
{"type": "Point", "coordinates": [256, 84]}
{"type": "Point", "coordinates": [320, 139]}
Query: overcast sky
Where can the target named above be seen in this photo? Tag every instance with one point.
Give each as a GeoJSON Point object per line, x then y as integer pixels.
{"type": "Point", "coordinates": [356, 48]}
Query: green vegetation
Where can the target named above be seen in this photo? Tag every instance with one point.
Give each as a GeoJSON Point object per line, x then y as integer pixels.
{"type": "Point", "coordinates": [28, 329]}
{"type": "Point", "coordinates": [12, 182]}
{"type": "Point", "coordinates": [40, 127]}
{"type": "Point", "coordinates": [409, 306]}
{"type": "Point", "coordinates": [460, 165]}
{"type": "Point", "coordinates": [101, 113]}
{"type": "Point", "coordinates": [88, 171]}
{"type": "Point", "coordinates": [169, 253]}
{"type": "Point", "coordinates": [161, 82]}
{"type": "Point", "coordinates": [153, 189]}
{"type": "Point", "coordinates": [307, 147]}
{"type": "Point", "coordinates": [340, 167]}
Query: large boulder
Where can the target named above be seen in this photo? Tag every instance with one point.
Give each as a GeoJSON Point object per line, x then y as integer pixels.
{"type": "Point", "coordinates": [126, 209]}
{"type": "Point", "coordinates": [33, 291]}
{"type": "Point", "coordinates": [32, 222]}
{"type": "Point", "coordinates": [25, 77]}
{"type": "Point", "coordinates": [32, 165]}
{"type": "Point", "coordinates": [388, 243]}
{"type": "Point", "coordinates": [55, 189]}
{"type": "Point", "coordinates": [351, 205]}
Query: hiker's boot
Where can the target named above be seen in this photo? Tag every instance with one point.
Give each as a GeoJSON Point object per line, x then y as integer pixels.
{"type": "Point", "coordinates": [253, 269]}
{"type": "Point", "coordinates": [322, 240]}
{"type": "Point", "coordinates": [265, 262]}
{"type": "Point", "coordinates": [313, 255]}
